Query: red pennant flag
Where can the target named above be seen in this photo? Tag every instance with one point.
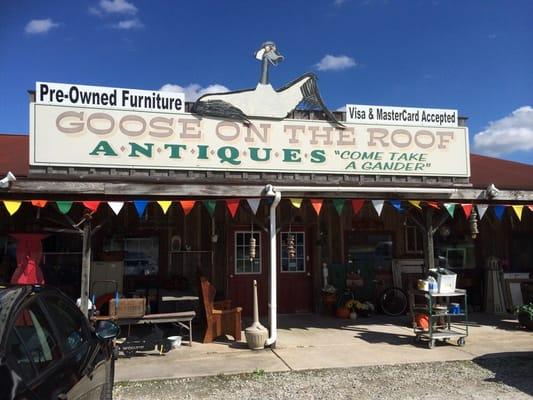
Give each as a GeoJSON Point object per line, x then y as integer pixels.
{"type": "Point", "coordinates": [357, 205]}
{"type": "Point", "coordinates": [467, 208]}
{"type": "Point", "coordinates": [91, 205]}
{"type": "Point", "coordinates": [530, 208]}
{"type": "Point", "coordinates": [433, 204]}
{"type": "Point", "coordinates": [187, 205]}
{"type": "Point", "coordinates": [317, 205]}
{"type": "Point", "coordinates": [233, 206]}
{"type": "Point", "coordinates": [39, 203]}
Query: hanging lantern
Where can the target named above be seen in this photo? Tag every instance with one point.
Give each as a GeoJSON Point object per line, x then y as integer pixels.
{"type": "Point", "coordinates": [252, 248]}
{"type": "Point", "coordinates": [291, 248]}
{"type": "Point", "coordinates": [474, 231]}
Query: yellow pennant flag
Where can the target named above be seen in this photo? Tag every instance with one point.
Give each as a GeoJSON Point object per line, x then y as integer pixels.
{"type": "Point", "coordinates": [415, 203]}
{"type": "Point", "coordinates": [165, 205]}
{"type": "Point", "coordinates": [518, 211]}
{"type": "Point", "coordinates": [12, 206]}
{"type": "Point", "coordinates": [296, 202]}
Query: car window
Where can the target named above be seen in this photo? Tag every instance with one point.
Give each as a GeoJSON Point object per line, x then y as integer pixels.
{"type": "Point", "coordinates": [69, 321]}
{"type": "Point", "coordinates": [34, 331]}
{"type": "Point", "coordinates": [18, 357]}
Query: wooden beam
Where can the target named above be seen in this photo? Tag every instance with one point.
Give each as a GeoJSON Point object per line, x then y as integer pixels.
{"type": "Point", "coordinates": [86, 267]}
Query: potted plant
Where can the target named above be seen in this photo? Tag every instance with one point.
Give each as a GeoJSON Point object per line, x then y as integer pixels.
{"type": "Point", "coordinates": [525, 315]}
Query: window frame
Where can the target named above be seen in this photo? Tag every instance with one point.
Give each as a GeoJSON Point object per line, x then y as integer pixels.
{"type": "Point", "coordinates": [281, 252]}
{"type": "Point", "coordinates": [259, 250]}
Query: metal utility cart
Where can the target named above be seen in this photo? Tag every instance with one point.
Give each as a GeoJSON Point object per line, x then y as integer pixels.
{"type": "Point", "coordinates": [443, 322]}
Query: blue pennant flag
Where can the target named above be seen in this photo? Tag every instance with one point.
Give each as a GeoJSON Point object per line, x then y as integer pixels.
{"type": "Point", "coordinates": [397, 204]}
{"type": "Point", "coordinates": [498, 211]}
{"type": "Point", "coordinates": [140, 206]}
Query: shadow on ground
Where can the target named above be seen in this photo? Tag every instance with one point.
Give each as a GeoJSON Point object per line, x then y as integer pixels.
{"type": "Point", "coordinates": [512, 369]}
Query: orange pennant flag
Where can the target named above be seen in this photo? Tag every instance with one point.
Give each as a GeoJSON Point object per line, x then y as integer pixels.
{"type": "Point", "coordinates": [433, 204]}
{"type": "Point", "coordinates": [357, 204]}
{"type": "Point", "coordinates": [187, 205]}
{"type": "Point", "coordinates": [39, 203]}
{"type": "Point", "coordinates": [317, 205]}
{"type": "Point", "coordinates": [530, 208]}
{"type": "Point", "coordinates": [233, 206]}
{"type": "Point", "coordinates": [467, 208]}
{"type": "Point", "coordinates": [91, 205]}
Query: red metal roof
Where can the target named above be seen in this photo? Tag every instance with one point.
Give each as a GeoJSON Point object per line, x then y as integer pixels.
{"type": "Point", "coordinates": [14, 155]}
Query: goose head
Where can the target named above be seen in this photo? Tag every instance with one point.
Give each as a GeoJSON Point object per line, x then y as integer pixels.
{"type": "Point", "coordinates": [269, 52]}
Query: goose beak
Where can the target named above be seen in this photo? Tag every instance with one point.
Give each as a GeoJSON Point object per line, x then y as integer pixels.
{"type": "Point", "coordinates": [273, 56]}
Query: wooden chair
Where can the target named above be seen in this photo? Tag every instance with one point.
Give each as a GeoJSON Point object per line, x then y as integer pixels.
{"type": "Point", "coordinates": [220, 318]}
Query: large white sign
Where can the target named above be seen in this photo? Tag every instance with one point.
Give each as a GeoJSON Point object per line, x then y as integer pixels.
{"type": "Point", "coordinates": [404, 116]}
{"type": "Point", "coordinates": [95, 137]}
{"type": "Point", "coordinates": [67, 94]}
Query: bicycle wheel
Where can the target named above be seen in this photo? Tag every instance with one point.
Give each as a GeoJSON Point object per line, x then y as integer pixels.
{"type": "Point", "coordinates": [393, 301]}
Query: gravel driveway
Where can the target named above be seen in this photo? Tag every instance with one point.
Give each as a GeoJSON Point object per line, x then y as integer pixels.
{"type": "Point", "coordinates": [495, 378]}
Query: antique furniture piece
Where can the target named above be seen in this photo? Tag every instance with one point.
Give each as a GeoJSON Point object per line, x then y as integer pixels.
{"type": "Point", "coordinates": [220, 318]}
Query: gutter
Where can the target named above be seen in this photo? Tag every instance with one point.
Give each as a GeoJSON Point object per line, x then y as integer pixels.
{"type": "Point", "coordinates": [273, 306]}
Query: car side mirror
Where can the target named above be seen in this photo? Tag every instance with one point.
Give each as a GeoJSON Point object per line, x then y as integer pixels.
{"type": "Point", "coordinates": [107, 330]}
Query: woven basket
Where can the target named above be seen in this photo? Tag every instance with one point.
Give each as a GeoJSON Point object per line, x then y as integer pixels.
{"type": "Point", "coordinates": [127, 308]}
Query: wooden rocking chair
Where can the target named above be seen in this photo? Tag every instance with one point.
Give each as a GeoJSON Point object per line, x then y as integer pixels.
{"type": "Point", "coordinates": [220, 318]}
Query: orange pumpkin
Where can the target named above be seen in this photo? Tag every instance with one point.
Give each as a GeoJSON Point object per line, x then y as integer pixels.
{"type": "Point", "coordinates": [422, 321]}
{"type": "Point", "coordinates": [343, 312]}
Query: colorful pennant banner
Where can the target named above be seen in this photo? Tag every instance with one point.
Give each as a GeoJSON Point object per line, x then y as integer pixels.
{"type": "Point", "coordinates": [254, 204]}
{"type": "Point", "coordinates": [378, 205]}
{"type": "Point", "coordinates": [39, 203]}
{"type": "Point", "coordinates": [233, 206]}
{"type": "Point", "coordinates": [498, 212]}
{"type": "Point", "coordinates": [297, 203]}
{"type": "Point", "coordinates": [450, 207]}
{"type": "Point", "coordinates": [415, 203]}
{"type": "Point", "coordinates": [12, 206]}
{"type": "Point", "coordinates": [317, 205]}
{"type": "Point", "coordinates": [357, 204]}
{"type": "Point", "coordinates": [165, 205]}
{"type": "Point", "coordinates": [140, 206]}
{"type": "Point", "coordinates": [210, 205]}
{"type": "Point", "coordinates": [518, 211]}
{"type": "Point", "coordinates": [397, 204]}
{"type": "Point", "coordinates": [467, 208]}
{"type": "Point", "coordinates": [339, 205]}
{"type": "Point", "coordinates": [116, 206]}
{"type": "Point", "coordinates": [481, 210]}
{"type": "Point", "coordinates": [64, 206]}
{"type": "Point", "coordinates": [187, 205]}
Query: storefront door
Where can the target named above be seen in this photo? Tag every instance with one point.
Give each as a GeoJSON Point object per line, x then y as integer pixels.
{"type": "Point", "coordinates": [242, 270]}
{"type": "Point", "coordinates": [295, 282]}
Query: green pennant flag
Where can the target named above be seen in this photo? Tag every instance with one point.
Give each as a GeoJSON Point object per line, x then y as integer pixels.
{"type": "Point", "coordinates": [210, 205]}
{"type": "Point", "coordinates": [64, 206]}
{"type": "Point", "coordinates": [450, 207]}
{"type": "Point", "coordinates": [339, 205]}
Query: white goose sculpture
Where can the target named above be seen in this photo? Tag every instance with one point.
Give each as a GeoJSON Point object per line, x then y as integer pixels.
{"type": "Point", "coordinates": [264, 101]}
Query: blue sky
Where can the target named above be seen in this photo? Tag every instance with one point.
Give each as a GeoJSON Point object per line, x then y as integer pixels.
{"type": "Point", "coordinates": [474, 56]}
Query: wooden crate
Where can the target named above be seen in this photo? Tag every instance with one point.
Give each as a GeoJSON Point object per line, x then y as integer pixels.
{"type": "Point", "coordinates": [128, 308]}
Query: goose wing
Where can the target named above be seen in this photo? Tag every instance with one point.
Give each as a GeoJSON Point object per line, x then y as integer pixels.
{"type": "Point", "coordinates": [219, 109]}
{"type": "Point", "coordinates": [312, 100]}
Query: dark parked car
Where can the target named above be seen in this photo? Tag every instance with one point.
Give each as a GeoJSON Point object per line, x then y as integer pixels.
{"type": "Point", "coordinates": [48, 349]}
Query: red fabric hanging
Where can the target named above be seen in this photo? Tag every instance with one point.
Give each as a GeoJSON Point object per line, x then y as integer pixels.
{"type": "Point", "coordinates": [467, 208]}
{"type": "Point", "coordinates": [233, 206]}
{"type": "Point", "coordinates": [357, 204]}
{"type": "Point", "coordinates": [187, 205]}
{"type": "Point", "coordinates": [29, 254]}
{"type": "Point", "coordinates": [433, 204]}
{"type": "Point", "coordinates": [317, 205]}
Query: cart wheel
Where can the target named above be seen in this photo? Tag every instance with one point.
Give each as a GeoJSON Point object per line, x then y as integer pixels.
{"type": "Point", "coordinates": [461, 341]}
{"type": "Point", "coordinates": [431, 344]}
{"type": "Point", "coordinates": [417, 339]}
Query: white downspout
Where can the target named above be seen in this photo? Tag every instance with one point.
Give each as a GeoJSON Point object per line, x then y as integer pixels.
{"type": "Point", "coordinates": [271, 341]}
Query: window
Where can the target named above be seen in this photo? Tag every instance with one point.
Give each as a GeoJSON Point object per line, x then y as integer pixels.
{"type": "Point", "coordinates": [73, 331]}
{"type": "Point", "coordinates": [18, 358]}
{"type": "Point", "coordinates": [243, 263]}
{"type": "Point", "coordinates": [141, 256]}
{"type": "Point", "coordinates": [33, 329]}
{"type": "Point", "coordinates": [413, 240]}
{"type": "Point", "coordinates": [296, 263]}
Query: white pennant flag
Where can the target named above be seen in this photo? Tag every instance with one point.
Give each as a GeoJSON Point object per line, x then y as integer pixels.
{"type": "Point", "coordinates": [254, 204]}
{"type": "Point", "coordinates": [481, 210]}
{"type": "Point", "coordinates": [378, 205]}
{"type": "Point", "coordinates": [116, 206]}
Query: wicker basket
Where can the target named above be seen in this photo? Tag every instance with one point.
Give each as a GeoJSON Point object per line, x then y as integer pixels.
{"type": "Point", "coordinates": [128, 308]}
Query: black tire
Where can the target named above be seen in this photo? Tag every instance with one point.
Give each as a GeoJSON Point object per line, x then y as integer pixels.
{"type": "Point", "coordinates": [393, 301]}
{"type": "Point", "coordinates": [461, 341]}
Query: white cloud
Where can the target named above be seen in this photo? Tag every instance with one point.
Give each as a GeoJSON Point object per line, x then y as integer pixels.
{"type": "Point", "coordinates": [129, 24]}
{"type": "Point", "coordinates": [335, 63]}
{"type": "Point", "coordinates": [511, 133]}
{"type": "Point", "coordinates": [193, 91]}
{"type": "Point", "coordinates": [117, 7]}
{"type": "Point", "coordinates": [36, 26]}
